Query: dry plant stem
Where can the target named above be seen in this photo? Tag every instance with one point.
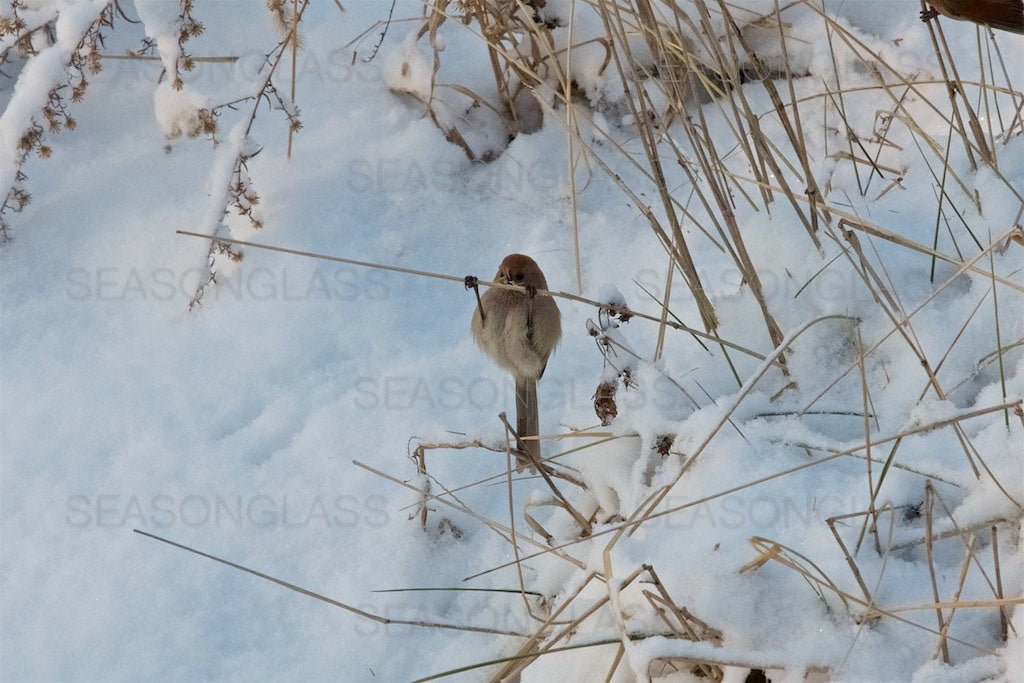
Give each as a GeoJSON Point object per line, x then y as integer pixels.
{"type": "Point", "coordinates": [959, 604]}
{"type": "Point", "coordinates": [614, 593]}
{"type": "Point", "coordinates": [984, 93]}
{"type": "Point", "coordinates": [769, 550]}
{"type": "Point", "coordinates": [1004, 619]}
{"type": "Point", "coordinates": [294, 38]}
{"type": "Point", "coordinates": [797, 135]}
{"type": "Point", "coordinates": [573, 626]}
{"type": "Point", "coordinates": [903, 83]}
{"type": "Point", "coordinates": [497, 527]}
{"type": "Point", "coordinates": [942, 646]}
{"type": "Point", "coordinates": [966, 537]}
{"type": "Point", "coordinates": [133, 57]}
{"type": "Point", "coordinates": [619, 347]}
{"type": "Point", "coordinates": [649, 507]}
{"type": "Point", "coordinates": [322, 598]}
{"type": "Point", "coordinates": [526, 445]}
{"type": "Point", "coordinates": [859, 48]}
{"type": "Point", "coordinates": [838, 101]}
{"type": "Point", "coordinates": [977, 456]}
{"type": "Point", "coordinates": [605, 439]}
{"type": "Point", "coordinates": [659, 345]}
{"type": "Point", "coordinates": [885, 564]}
{"type": "Point", "coordinates": [943, 197]}
{"type": "Point", "coordinates": [512, 525]}
{"type": "Point", "coordinates": [487, 28]}
{"type": "Point", "coordinates": [615, 588]}
{"type": "Point", "coordinates": [434, 20]}
{"type": "Point", "coordinates": [1016, 121]}
{"type": "Point", "coordinates": [912, 341]}
{"type": "Point", "coordinates": [881, 133]}
{"type": "Point", "coordinates": [748, 386]}
{"type": "Point", "coordinates": [462, 279]}
{"type": "Point", "coordinates": [951, 85]}
{"type": "Point", "coordinates": [645, 210]}
{"type": "Point", "coordinates": [956, 86]}
{"type": "Point", "coordinates": [383, 25]}
{"type": "Point", "coordinates": [571, 135]}
{"type": "Point", "coordinates": [831, 522]}
{"type": "Point", "coordinates": [866, 401]}
{"type": "Point", "coordinates": [999, 336]}
{"type": "Point", "coordinates": [543, 470]}
{"type": "Point", "coordinates": [950, 533]}
{"type": "Point", "coordinates": [619, 652]}
{"type": "Point", "coordinates": [48, 98]}
{"type": "Point", "coordinates": [420, 458]}
{"type": "Point", "coordinates": [762, 142]}
{"type": "Point", "coordinates": [929, 504]}
{"type": "Point", "coordinates": [879, 461]}
{"type": "Point", "coordinates": [663, 601]}
{"type": "Point", "coordinates": [956, 339]}
{"type": "Point", "coordinates": [560, 96]}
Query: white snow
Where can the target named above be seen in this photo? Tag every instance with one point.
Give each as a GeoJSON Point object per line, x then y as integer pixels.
{"type": "Point", "coordinates": [233, 428]}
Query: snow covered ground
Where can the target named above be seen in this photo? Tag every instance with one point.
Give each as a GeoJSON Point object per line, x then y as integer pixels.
{"type": "Point", "coordinates": [233, 427]}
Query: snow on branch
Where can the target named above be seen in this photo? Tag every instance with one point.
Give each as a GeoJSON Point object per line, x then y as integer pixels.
{"type": "Point", "coordinates": [180, 109]}
{"type": "Point", "coordinates": [230, 187]}
{"type": "Point", "coordinates": [53, 73]}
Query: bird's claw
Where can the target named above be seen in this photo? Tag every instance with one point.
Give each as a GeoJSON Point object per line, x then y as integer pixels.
{"type": "Point", "coordinates": [473, 282]}
{"type": "Point", "coordinates": [928, 14]}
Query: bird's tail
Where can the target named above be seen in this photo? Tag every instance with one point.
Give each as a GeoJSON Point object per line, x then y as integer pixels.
{"type": "Point", "coordinates": [528, 421]}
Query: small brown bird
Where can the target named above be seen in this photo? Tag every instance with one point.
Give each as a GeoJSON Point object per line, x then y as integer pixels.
{"type": "Point", "coordinates": [1007, 15]}
{"type": "Point", "coordinates": [519, 330]}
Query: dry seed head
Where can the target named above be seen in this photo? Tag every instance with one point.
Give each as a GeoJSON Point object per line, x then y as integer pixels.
{"type": "Point", "coordinates": [604, 403]}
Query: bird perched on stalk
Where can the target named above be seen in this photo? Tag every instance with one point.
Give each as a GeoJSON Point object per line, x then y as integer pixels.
{"type": "Point", "coordinates": [519, 330]}
{"type": "Point", "coordinates": [1007, 15]}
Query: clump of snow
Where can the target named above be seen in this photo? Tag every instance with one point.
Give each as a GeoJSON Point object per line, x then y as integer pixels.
{"type": "Point", "coordinates": [408, 70]}
{"type": "Point", "coordinates": [184, 112]}
{"type": "Point", "coordinates": [609, 294]}
{"type": "Point", "coordinates": [930, 411]}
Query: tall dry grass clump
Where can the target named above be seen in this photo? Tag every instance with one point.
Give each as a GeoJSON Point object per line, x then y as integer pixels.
{"type": "Point", "coordinates": [717, 104]}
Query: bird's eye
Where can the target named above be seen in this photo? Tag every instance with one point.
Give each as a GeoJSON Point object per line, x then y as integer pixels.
{"type": "Point", "coordinates": [519, 276]}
